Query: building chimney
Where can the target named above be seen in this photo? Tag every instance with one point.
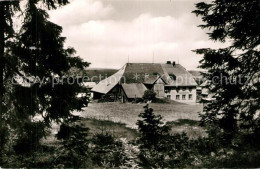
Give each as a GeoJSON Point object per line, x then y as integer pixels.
{"type": "Point", "coordinates": [173, 63]}
{"type": "Point", "coordinates": [168, 62]}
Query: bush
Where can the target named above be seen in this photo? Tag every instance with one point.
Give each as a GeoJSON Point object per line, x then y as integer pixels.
{"type": "Point", "coordinates": [74, 151]}
{"type": "Point", "coordinates": [29, 137]}
{"type": "Point", "coordinates": [4, 136]}
{"type": "Point", "coordinates": [149, 95]}
{"type": "Point", "coordinates": [138, 100]}
{"type": "Point", "coordinates": [161, 100]}
{"type": "Point", "coordinates": [107, 152]}
{"type": "Point", "coordinates": [106, 98]}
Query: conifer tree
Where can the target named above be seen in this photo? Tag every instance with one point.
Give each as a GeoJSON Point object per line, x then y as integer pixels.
{"type": "Point", "coordinates": [42, 56]}
{"type": "Point", "coordinates": [7, 10]}
{"type": "Point", "coordinates": [158, 147]}
{"type": "Point", "coordinates": [233, 71]}
{"type": "Point", "coordinates": [35, 70]}
{"type": "Point", "coordinates": [151, 127]}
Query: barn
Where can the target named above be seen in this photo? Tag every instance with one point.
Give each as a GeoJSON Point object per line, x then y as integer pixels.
{"type": "Point", "coordinates": [168, 80]}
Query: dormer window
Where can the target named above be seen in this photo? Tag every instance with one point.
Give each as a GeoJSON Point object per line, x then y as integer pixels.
{"type": "Point", "coordinates": [172, 76]}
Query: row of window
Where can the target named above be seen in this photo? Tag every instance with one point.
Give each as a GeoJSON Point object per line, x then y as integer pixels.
{"type": "Point", "coordinates": [184, 97]}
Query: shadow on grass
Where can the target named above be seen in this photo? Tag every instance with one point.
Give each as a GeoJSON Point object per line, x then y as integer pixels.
{"type": "Point", "coordinates": [118, 130]}
{"type": "Point", "coordinates": [188, 126]}
{"type": "Point", "coordinates": [181, 122]}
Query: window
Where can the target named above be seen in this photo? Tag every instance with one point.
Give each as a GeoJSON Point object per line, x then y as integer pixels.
{"type": "Point", "coordinates": [177, 97]}
{"type": "Point", "coordinates": [190, 96]}
{"type": "Point", "coordinates": [183, 97]}
{"type": "Point", "coordinates": [168, 96]}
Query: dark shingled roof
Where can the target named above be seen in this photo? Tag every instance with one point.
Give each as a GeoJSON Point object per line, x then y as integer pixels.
{"type": "Point", "coordinates": [138, 72]}
{"type": "Point", "coordinates": [151, 79]}
{"type": "Point", "coordinates": [134, 90]}
{"type": "Point", "coordinates": [183, 77]}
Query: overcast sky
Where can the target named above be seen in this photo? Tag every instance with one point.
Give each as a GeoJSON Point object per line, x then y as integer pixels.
{"type": "Point", "coordinates": [107, 32]}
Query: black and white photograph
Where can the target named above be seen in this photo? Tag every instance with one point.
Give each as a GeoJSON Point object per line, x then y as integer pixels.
{"type": "Point", "coordinates": [129, 84]}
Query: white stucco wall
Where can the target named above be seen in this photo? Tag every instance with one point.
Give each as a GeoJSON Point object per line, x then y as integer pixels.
{"type": "Point", "coordinates": [182, 92]}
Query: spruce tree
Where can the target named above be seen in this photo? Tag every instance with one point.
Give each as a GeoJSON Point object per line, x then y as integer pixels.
{"type": "Point", "coordinates": [158, 147]}
{"type": "Point", "coordinates": [35, 72]}
{"type": "Point", "coordinates": [151, 128]}
{"type": "Point", "coordinates": [7, 10]}
{"type": "Point", "coordinates": [42, 56]}
{"type": "Point", "coordinates": [233, 71]}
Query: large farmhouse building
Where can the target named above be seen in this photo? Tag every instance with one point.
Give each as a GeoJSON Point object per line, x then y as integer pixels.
{"type": "Point", "coordinates": [168, 80]}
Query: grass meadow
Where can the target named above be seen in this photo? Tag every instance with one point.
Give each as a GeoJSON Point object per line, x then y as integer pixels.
{"type": "Point", "coordinates": [120, 119]}
{"type": "Point", "coordinates": [112, 116]}
{"type": "Point", "coordinates": [127, 113]}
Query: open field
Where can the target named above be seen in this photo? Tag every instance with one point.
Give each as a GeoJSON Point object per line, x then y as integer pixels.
{"type": "Point", "coordinates": [127, 113]}
{"type": "Point", "coordinates": [181, 118]}
{"type": "Point", "coordinates": [120, 119]}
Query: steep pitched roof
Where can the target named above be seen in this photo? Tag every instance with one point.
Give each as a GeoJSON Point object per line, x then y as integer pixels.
{"type": "Point", "coordinates": [139, 72]}
{"type": "Point", "coordinates": [104, 86]}
{"type": "Point", "coordinates": [134, 90]}
{"type": "Point", "coordinates": [95, 73]}
{"type": "Point", "coordinates": [183, 77]}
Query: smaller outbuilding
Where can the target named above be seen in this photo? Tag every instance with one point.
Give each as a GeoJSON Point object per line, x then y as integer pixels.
{"type": "Point", "coordinates": [132, 91]}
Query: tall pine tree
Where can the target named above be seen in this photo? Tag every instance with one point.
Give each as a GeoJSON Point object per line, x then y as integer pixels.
{"type": "Point", "coordinates": [7, 10]}
{"type": "Point", "coordinates": [41, 55]}
{"type": "Point", "coordinates": [234, 71]}
{"type": "Point", "coordinates": [36, 57]}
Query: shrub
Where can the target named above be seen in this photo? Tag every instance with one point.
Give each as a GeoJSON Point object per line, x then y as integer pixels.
{"type": "Point", "coordinates": [106, 98]}
{"type": "Point", "coordinates": [74, 151]}
{"type": "Point", "coordinates": [138, 100]}
{"type": "Point", "coordinates": [29, 137]}
{"type": "Point", "coordinates": [107, 152]}
{"type": "Point", "coordinates": [4, 136]}
{"type": "Point", "coordinates": [149, 95]}
{"type": "Point", "coordinates": [161, 100]}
